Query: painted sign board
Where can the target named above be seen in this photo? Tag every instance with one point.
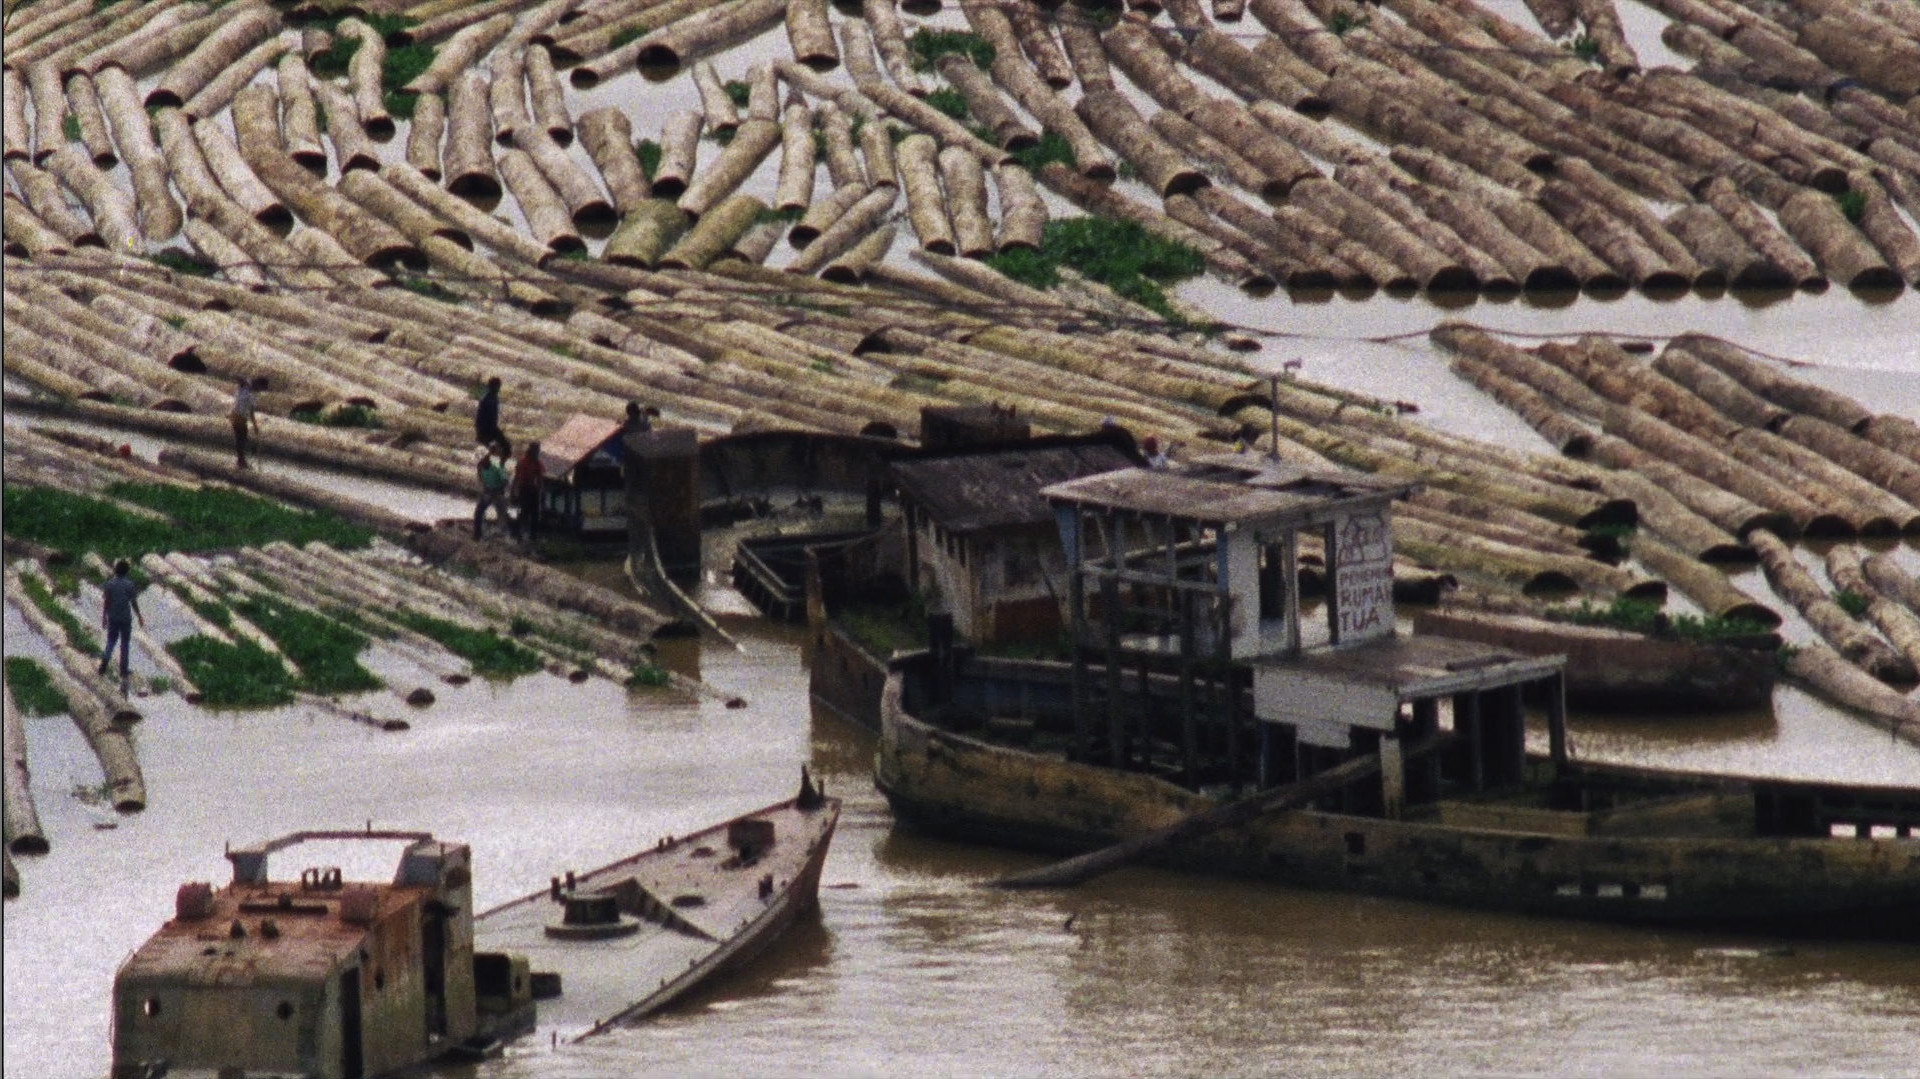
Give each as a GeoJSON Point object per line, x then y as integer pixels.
{"type": "Point", "coordinates": [1363, 577]}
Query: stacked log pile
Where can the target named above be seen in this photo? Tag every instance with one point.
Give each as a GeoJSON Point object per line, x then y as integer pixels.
{"type": "Point", "coordinates": [577, 630]}
{"type": "Point", "coordinates": [1754, 454]}
{"type": "Point", "coordinates": [1417, 144]}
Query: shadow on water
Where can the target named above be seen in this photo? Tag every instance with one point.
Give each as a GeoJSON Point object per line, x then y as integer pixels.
{"type": "Point", "coordinates": [1667, 730]}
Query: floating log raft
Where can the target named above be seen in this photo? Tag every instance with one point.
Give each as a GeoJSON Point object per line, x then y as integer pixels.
{"type": "Point", "coordinates": [232, 37]}
{"type": "Point", "coordinates": [918, 158]}
{"type": "Point", "coordinates": [1858, 644]}
{"type": "Point", "coordinates": [1784, 390]}
{"type": "Point", "coordinates": [608, 138]}
{"type": "Point", "coordinates": [24, 834]}
{"type": "Point", "coordinates": [751, 144]}
{"type": "Point", "coordinates": [1899, 625]}
{"type": "Point", "coordinates": [1817, 664]}
{"type": "Point", "coordinates": [713, 233]}
{"type": "Point", "coordinates": [1843, 253]}
{"type": "Point", "coordinates": [101, 714]}
{"type": "Point", "coordinates": [1889, 578]}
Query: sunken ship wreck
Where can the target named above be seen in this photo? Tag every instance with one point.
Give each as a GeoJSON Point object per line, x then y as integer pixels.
{"type": "Point", "coordinates": [1195, 681]}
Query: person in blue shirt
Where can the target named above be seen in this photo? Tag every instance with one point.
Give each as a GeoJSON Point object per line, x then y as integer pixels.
{"type": "Point", "coordinates": [117, 612]}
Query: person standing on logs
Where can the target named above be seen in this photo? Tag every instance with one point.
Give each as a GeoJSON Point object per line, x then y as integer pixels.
{"type": "Point", "coordinates": [117, 612]}
{"type": "Point", "coordinates": [242, 416]}
{"type": "Point", "coordinates": [491, 470]}
{"type": "Point", "coordinates": [529, 482]}
{"type": "Point", "coordinates": [486, 418]}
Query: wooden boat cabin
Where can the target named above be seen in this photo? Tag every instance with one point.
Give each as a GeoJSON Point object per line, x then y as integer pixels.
{"type": "Point", "coordinates": [980, 537]}
{"type": "Point", "coordinates": [586, 487]}
{"type": "Point", "coordinates": [1183, 583]}
{"type": "Point", "coordinates": [317, 976]}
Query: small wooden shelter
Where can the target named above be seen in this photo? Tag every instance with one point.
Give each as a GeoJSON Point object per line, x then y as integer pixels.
{"type": "Point", "coordinates": [1187, 579]}
{"type": "Point", "coordinates": [979, 534]}
{"type": "Point", "coordinates": [586, 489]}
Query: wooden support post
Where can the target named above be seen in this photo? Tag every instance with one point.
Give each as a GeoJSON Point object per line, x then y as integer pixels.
{"type": "Point", "coordinates": [1330, 544]}
{"type": "Point", "coordinates": [1082, 723]}
{"type": "Point", "coordinates": [1110, 613]}
{"type": "Point", "coordinates": [1263, 775]}
{"type": "Point", "coordinates": [1290, 566]}
{"type": "Point", "coordinates": [1189, 731]}
{"type": "Point", "coordinates": [1557, 719]}
{"type": "Point", "coordinates": [1393, 778]}
{"type": "Point", "coordinates": [1230, 684]}
{"type": "Point", "coordinates": [1425, 786]}
{"type": "Point", "coordinates": [1513, 745]}
{"type": "Point", "coordinates": [1146, 709]}
{"type": "Point", "coordinates": [1467, 716]}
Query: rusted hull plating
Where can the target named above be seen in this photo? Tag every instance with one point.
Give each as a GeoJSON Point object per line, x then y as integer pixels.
{"type": "Point", "coordinates": [969, 789]}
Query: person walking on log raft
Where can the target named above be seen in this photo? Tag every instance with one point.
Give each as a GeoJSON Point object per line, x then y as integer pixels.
{"type": "Point", "coordinates": [529, 482]}
{"type": "Point", "coordinates": [242, 416]}
{"type": "Point", "coordinates": [117, 612]}
{"type": "Point", "coordinates": [486, 417]}
{"type": "Point", "coordinates": [491, 470]}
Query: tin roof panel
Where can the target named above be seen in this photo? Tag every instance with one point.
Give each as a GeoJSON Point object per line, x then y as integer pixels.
{"type": "Point", "coordinates": [971, 492]}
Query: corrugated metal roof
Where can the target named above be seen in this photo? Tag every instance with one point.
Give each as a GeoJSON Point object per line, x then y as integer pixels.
{"type": "Point", "coordinates": [562, 451]}
{"type": "Point", "coordinates": [308, 940]}
{"type": "Point", "coordinates": [1211, 494]}
{"type": "Point", "coordinates": [970, 492]}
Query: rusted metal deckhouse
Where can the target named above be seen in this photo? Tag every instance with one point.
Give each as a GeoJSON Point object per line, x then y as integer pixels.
{"type": "Point", "coordinates": [317, 976]}
{"type": "Point", "coordinates": [1187, 620]}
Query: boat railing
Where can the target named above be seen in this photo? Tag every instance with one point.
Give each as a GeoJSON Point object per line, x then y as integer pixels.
{"type": "Point", "coordinates": [1791, 808]}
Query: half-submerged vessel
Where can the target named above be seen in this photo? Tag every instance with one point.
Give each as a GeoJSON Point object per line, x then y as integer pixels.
{"type": "Point", "coordinates": [1195, 681]}
{"type": "Point", "coordinates": [633, 936]}
{"type": "Point", "coordinates": [317, 976]}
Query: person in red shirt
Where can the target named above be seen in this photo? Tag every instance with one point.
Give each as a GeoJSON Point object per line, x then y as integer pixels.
{"type": "Point", "coordinates": [529, 479]}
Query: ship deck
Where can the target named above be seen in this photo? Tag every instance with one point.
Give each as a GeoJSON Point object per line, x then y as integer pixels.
{"type": "Point", "coordinates": [1411, 667]}
{"type": "Point", "coordinates": [697, 903]}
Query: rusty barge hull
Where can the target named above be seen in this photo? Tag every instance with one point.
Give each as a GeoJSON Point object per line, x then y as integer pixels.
{"type": "Point", "coordinates": [674, 946]}
{"type": "Point", "coordinates": [1611, 866]}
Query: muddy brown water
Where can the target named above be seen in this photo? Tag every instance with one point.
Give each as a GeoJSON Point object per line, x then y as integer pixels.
{"type": "Point", "coordinates": [910, 967]}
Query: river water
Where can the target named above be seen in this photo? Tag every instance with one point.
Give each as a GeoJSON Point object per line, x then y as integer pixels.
{"type": "Point", "coordinates": [910, 967]}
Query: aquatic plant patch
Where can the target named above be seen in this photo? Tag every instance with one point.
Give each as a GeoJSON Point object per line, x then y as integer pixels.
{"type": "Point", "coordinates": [882, 630]}
{"type": "Point", "coordinates": [928, 46]}
{"type": "Point", "coordinates": [1121, 255]}
{"type": "Point", "coordinates": [1641, 616]}
{"type": "Point", "coordinates": [949, 101]}
{"type": "Point", "coordinates": [237, 675]}
{"type": "Point", "coordinates": [33, 688]}
{"type": "Point", "coordinates": [204, 519]}
{"type": "Point", "coordinates": [182, 262]}
{"type": "Point", "coordinates": [1851, 602]}
{"type": "Point", "coordinates": [326, 652]}
{"type": "Point", "coordinates": [490, 654]}
{"type": "Point", "coordinates": [648, 676]}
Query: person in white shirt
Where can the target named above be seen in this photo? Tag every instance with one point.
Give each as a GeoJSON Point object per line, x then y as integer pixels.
{"type": "Point", "coordinates": [242, 417]}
